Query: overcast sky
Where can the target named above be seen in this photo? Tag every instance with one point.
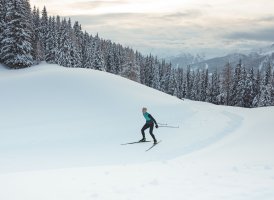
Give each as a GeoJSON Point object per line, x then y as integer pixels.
{"type": "Point", "coordinates": [169, 27]}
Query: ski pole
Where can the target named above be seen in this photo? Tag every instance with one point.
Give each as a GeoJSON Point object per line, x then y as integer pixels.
{"type": "Point", "coordinates": [162, 124]}
{"type": "Point", "coordinates": [169, 126]}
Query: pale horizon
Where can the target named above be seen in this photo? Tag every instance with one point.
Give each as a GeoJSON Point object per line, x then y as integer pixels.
{"type": "Point", "coordinates": [167, 28]}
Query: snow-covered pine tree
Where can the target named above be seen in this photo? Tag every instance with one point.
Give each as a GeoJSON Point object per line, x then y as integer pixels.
{"type": "Point", "coordinates": [189, 82]}
{"type": "Point", "coordinates": [195, 91]}
{"type": "Point", "coordinates": [257, 86]}
{"type": "Point", "coordinates": [143, 71]}
{"type": "Point", "coordinates": [16, 45]}
{"type": "Point", "coordinates": [249, 93]}
{"type": "Point", "coordinates": [204, 85]}
{"type": "Point", "coordinates": [272, 85]}
{"type": "Point", "coordinates": [110, 66]}
{"type": "Point", "coordinates": [167, 77]}
{"type": "Point", "coordinates": [78, 38]}
{"type": "Point", "coordinates": [87, 51]}
{"type": "Point", "coordinates": [149, 70]}
{"type": "Point", "coordinates": [38, 51]}
{"type": "Point", "coordinates": [266, 90]}
{"type": "Point", "coordinates": [130, 69]}
{"type": "Point", "coordinates": [214, 89]}
{"type": "Point", "coordinates": [180, 81]}
{"type": "Point", "coordinates": [98, 61]}
{"type": "Point", "coordinates": [43, 31]}
{"type": "Point", "coordinates": [74, 49]}
{"type": "Point", "coordinates": [268, 74]}
{"type": "Point", "coordinates": [63, 51]}
{"type": "Point", "coordinates": [2, 22]}
{"type": "Point", "coordinates": [235, 85]}
{"type": "Point", "coordinates": [162, 70]}
{"type": "Point", "coordinates": [117, 60]}
{"type": "Point", "coordinates": [172, 86]}
{"type": "Point", "coordinates": [51, 43]}
{"type": "Point", "coordinates": [265, 98]}
{"type": "Point", "coordinates": [156, 75]}
{"type": "Point", "coordinates": [240, 89]}
{"type": "Point", "coordinates": [227, 83]}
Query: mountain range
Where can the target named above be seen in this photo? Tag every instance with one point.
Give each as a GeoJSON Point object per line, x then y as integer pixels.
{"type": "Point", "coordinates": [258, 59]}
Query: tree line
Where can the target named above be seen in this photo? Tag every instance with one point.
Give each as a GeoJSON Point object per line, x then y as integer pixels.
{"type": "Point", "coordinates": [29, 36]}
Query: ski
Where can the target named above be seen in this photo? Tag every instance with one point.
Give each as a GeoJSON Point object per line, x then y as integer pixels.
{"type": "Point", "coordinates": [154, 145]}
{"type": "Point", "coordinates": [134, 142]}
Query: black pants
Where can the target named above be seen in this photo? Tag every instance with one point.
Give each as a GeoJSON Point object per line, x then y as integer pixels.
{"type": "Point", "coordinates": [150, 126]}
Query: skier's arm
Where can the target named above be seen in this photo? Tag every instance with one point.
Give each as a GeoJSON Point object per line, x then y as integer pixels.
{"type": "Point", "coordinates": [153, 119]}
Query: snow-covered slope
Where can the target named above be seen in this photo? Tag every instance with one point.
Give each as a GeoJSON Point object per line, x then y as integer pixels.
{"type": "Point", "coordinates": [61, 131]}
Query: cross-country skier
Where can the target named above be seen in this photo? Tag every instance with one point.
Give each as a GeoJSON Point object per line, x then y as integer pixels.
{"type": "Point", "coordinates": [149, 124]}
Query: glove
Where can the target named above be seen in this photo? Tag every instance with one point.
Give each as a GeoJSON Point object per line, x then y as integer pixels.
{"type": "Point", "coordinates": [156, 126]}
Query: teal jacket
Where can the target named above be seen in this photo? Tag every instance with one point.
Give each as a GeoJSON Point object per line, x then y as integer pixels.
{"type": "Point", "coordinates": [149, 118]}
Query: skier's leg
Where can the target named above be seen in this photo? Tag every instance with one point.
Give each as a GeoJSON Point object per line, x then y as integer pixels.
{"type": "Point", "coordinates": [151, 132]}
{"type": "Point", "coordinates": [146, 126]}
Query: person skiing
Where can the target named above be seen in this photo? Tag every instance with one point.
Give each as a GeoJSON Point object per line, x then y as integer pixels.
{"type": "Point", "coordinates": [149, 124]}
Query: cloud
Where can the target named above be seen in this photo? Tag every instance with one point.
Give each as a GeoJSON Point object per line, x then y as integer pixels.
{"type": "Point", "coordinates": [90, 5]}
{"type": "Point", "coordinates": [266, 34]}
{"type": "Point", "coordinates": [188, 30]}
{"type": "Point", "coordinates": [187, 14]}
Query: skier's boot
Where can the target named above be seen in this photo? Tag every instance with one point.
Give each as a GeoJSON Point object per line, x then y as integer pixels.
{"type": "Point", "coordinates": [143, 140]}
{"type": "Point", "coordinates": [155, 141]}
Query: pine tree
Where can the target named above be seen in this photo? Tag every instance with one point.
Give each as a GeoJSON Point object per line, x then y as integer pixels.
{"type": "Point", "coordinates": [44, 31]}
{"type": "Point", "coordinates": [214, 89]}
{"type": "Point", "coordinates": [249, 93]}
{"type": "Point", "coordinates": [172, 86]}
{"type": "Point", "coordinates": [189, 83]}
{"type": "Point", "coordinates": [156, 75]}
{"type": "Point", "coordinates": [51, 43]}
{"type": "Point", "coordinates": [16, 45]}
{"type": "Point", "coordinates": [268, 75]}
{"type": "Point", "coordinates": [148, 71]}
{"type": "Point", "coordinates": [38, 51]}
{"type": "Point", "coordinates": [74, 49]}
{"type": "Point", "coordinates": [195, 92]}
{"type": "Point", "coordinates": [130, 69]}
{"type": "Point", "coordinates": [180, 82]}
{"type": "Point", "coordinates": [162, 72]}
{"type": "Point", "coordinates": [226, 83]}
{"type": "Point", "coordinates": [98, 61]}
{"type": "Point", "coordinates": [87, 51]}
{"type": "Point", "coordinates": [235, 85]}
{"type": "Point", "coordinates": [63, 51]}
{"type": "Point", "coordinates": [256, 89]}
{"type": "Point", "coordinates": [117, 61]}
{"type": "Point", "coordinates": [241, 89]}
{"type": "Point", "coordinates": [110, 66]}
{"type": "Point", "coordinates": [167, 78]}
{"type": "Point", "coordinates": [265, 91]}
{"type": "Point", "coordinates": [2, 23]}
{"type": "Point", "coordinates": [272, 87]}
{"type": "Point", "coordinates": [78, 39]}
{"type": "Point", "coordinates": [204, 85]}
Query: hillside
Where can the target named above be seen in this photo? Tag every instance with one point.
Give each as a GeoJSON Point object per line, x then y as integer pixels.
{"type": "Point", "coordinates": [61, 130]}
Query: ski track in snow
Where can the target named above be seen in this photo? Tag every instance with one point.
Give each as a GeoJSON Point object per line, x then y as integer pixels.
{"type": "Point", "coordinates": [234, 122]}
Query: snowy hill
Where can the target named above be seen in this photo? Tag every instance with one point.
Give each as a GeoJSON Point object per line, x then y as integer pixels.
{"type": "Point", "coordinates": [61, 130]}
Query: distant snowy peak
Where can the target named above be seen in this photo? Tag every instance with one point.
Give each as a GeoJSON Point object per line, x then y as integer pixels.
{"type": "Point", "coordinates": [269, 50]}
{"type": "Point", "coordinates": [257, 58]}
{"type": "Point", "coordinates": [184, 59]}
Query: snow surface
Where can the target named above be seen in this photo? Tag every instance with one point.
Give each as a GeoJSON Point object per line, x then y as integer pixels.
{"type": "Point", "coordinates": [61, 130]}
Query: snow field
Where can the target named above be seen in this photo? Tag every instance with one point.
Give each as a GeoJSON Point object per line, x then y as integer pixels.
{"type": "Point", "coordinates": [61, 131]}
